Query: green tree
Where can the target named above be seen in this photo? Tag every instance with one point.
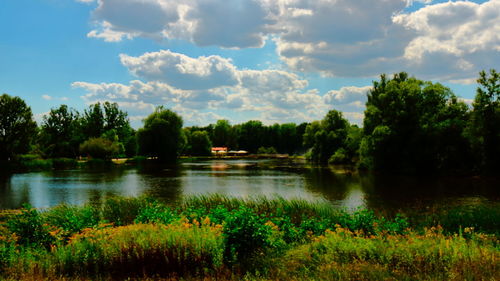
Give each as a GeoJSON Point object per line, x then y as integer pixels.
{"type": "Point", "coordinates": [161, 135]}
{"type": "Point", "coordinates": [60, 136]}
{"type": "Point", "coordinates": [327, 136]}
{"type": "Point", "coordinates": [288, 141]}
{"type": "Point", "coordinates": [485, 121]}
{"type": "Point", "coordinates": [414, 126]}
{"type": "Point", "coordinates": [107, 119]}
{"type": "Point", "coordinates": [222, 133]}
{"type": "Point", "coordinates": [93, 121]}
{"type": "Point", "coordinates": [200, 144]}
{"type": "Point", "coordinates": [17, 127]}
{"type": "Point", "coordinates": [251, 135]}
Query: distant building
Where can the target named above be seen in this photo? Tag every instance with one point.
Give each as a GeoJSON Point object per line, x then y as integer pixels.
{"type": "Point", "coordinates": [219, 150]}
{"type": "Point", "coordinates": [237, 153]}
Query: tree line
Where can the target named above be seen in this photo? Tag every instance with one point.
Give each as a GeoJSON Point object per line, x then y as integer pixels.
{"type": "Point", "coordinates": [410, 126]}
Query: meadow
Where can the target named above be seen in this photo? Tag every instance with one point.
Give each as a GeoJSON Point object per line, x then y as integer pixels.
{"type": "Point", "coordinates": [215, 237]}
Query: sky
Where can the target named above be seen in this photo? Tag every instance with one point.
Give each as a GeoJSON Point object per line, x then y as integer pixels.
{"type": "Point", "coordinates": [277, 61]}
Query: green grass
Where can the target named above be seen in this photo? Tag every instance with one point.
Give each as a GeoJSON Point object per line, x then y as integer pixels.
{"type": "Point", "coordinates": [224, 238]}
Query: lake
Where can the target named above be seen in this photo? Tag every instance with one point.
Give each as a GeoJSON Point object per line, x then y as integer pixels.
{"type": "Point", "coordinates": [244, 178]}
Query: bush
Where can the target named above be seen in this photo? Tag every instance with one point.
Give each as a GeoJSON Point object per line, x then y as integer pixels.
{"type": "Point", "coordinates": [245, 233]}
{"type": "Point", "coordinates": [72, 219]}
{"type": "Point", "coordinates": [483, 218]}
{"type": "Point", "coordinates": [100, 148]}
{"type": "Point", "coordinates": [122, 211]}
{"type": "Point", "coordinates": [30, 229]}
{"type": "Point", "coordinates": [156, 213]}
{"type": "Point", "coordinates": [267, 150]}
{"type": "Point", "coordinates": [33, 162]}
{"type": "Point", "coordinates": [339, 157]}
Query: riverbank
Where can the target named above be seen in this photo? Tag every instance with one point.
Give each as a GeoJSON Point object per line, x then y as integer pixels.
{"type": "Point", "coordinates": [34, 163]}
{"type": "Point", "coordinates": [216, 237]}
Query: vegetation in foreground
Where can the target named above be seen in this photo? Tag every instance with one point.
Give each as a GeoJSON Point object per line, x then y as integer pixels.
{"type": "Point", "coordinates": [216, 237]}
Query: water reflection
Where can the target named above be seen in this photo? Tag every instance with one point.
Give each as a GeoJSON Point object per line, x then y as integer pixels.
{"type": "Point", "coordinates": [241, 178]}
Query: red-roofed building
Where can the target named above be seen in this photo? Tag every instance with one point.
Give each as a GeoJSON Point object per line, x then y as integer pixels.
{"type": "Point", "coordinates": [219, 150]}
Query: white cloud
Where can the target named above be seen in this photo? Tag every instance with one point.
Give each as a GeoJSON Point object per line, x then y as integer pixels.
{"type": "Point", "coordinates": [46, 97]}
{"type": "Point", "coordinates": [106, 33]}
{"type": "Point", "coordinates": [230, 24]}
{"type": "Point", "coordinates": [447, 41]}
{"type": "Point", "coordinates": [199, 87]}
{"type": "Point", "coordinates": [85, 1]}
{"type": "Point", "coordinates": [347, 95]}
{"type": "Point", "coordinates": [182, 71]}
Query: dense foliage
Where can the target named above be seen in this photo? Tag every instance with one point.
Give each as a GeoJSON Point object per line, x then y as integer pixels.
{"type": "Point", "coordinates": [99, 148]}
{"type": "Point", "coordinates": [223, 238]}
{"type": "Point", "coordinates": [332, 139]}
{"type": "Point", "coordinates": [17, 127]}
{"type": "Point", "coordinates": [60, 134]}
{"type": "Point", "coordinates": [198, 143]}
{"type": "Point", "coordinates": [162, 135]}
{"type": "Point", "coordinates": [414, 126]}
{"type": "Point", "coordinates": [485, 122]}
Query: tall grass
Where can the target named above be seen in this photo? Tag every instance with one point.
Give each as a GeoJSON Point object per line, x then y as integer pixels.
{"type": "Point", "coordinates": [344, 255]}
{"type": "Point", "coordinates": [141, 249]}
{"type": "Point", "coordinates": [276, 239]}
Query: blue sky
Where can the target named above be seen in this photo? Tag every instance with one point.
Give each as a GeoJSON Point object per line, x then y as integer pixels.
{"type": "Point", "coordinates": [272, 60]}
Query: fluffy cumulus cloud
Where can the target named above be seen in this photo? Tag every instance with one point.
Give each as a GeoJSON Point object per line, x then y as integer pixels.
{"type": "Point", "coordinates": [198, 87]}
{"type": "Point", "coordinates": [230, 24]}
{"type": "Point", "coordinates": [182, 71]}
{"type": "Point", "coordinates": [449, 41]}
{"type": "Point", "coordinates": [454, 39]}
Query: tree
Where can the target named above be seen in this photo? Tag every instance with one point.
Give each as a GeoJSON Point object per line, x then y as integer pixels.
{"type": "Point", "coordinates": [200, 144]}
{"type": "Point", "coordinates": [93, 121]}
{"type": "Point", "coordinates": [108, 119]}
{"type": "Point", "coordinates": [251, 135]}
{"type": "Point", "coordinates": [326, 137]}
{"type": "Point", "coordinates": [414, 126]}
{"type": "Point", "coordinates": [162, 135]}
{"type": "Point", "coordinates": [485, 121]}
{"type": "Point", "coordinates": [59, 136]}
{"type": "Point", "coordinates": [288, 141]}
{"type": "Point", "coordinates": [17, 127]}
{"type": "Point", "coordinates": [222, 133]}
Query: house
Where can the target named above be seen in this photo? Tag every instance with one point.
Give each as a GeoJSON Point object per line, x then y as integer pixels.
{"type": "Point", "coordinates": [219, 150]}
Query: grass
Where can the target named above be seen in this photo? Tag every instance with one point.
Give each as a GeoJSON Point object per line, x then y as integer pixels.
{"type": "Point", "coordinates": [344, 255]}
{"type": "Point", "coordinates": [222, 238]}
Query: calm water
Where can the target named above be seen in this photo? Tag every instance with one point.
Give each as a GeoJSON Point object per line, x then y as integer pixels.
{"type": "Point", "coordinates": [242, 178]}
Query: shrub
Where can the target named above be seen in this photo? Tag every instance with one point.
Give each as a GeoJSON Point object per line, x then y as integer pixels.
{"type": "Point", "coordinates": [484, 218]}
{"type": "Point", "coordinates": [245, 233]}
{"type": "Point", "coordinates": [33, 162]}
{"type": "Point", "coordinates": [30, 229]}
{"type": "Point", "coordinates": [156, 213]}
{"type": "Point", "coordinates": [121, 210]}
{"type": "Point", "coordinates": [267, 150]}
{"type": "Point", "coordinates": [100, 148]}
{"type": "Point", "coordinates": [72, 219]}
{"type": "Point", "coordinates": [339, 157]}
